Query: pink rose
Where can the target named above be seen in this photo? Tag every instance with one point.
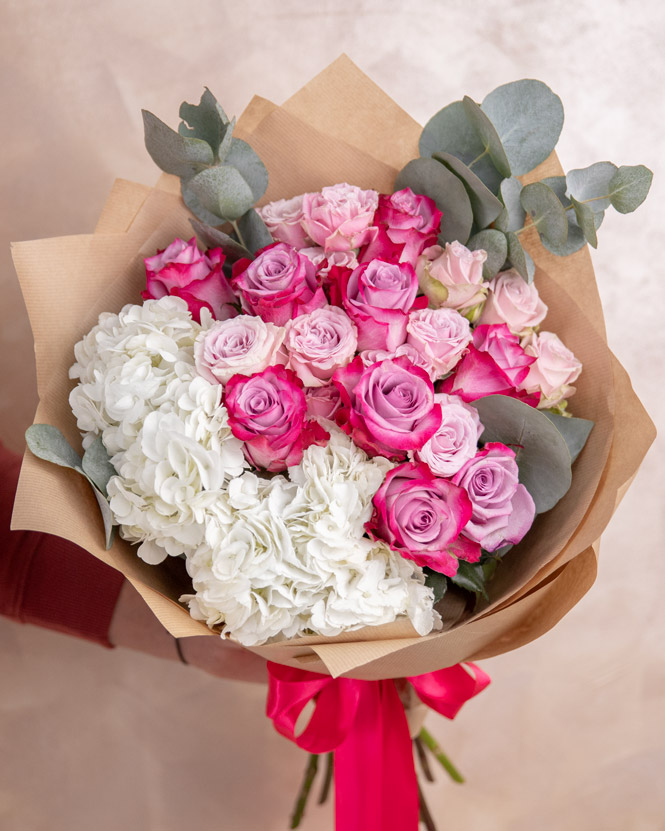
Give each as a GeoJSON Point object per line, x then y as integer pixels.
{"type": "Point", "coordinates": [278, 285]}
{"type": "Point", "coordinates": [267, 411]}
{"type": "Point", "coordinates": [420, 516]}
{"type": "Point", "coordinates": [340, 217]}
{"type": "Point", "coordinates": [554, 369]}
{"type": "Point", "coordinates": [243, 345]}
{"type": "Point", "coordinates": [503, 510]}
{"type": "Point", "coordinates": [456, 440]}
{"type": "Point", "coordinates": [505, 348]}
{"type": "Point", "coordinates": [406, 350]}
{"type": "Point", "coordinates": [318, 343]}
{"type": "Point", "coordinates": [478, 375]}
{"type": "Point", "coordinates": [442, 335]}
{"type": "Point", "coordinates": [322, 402]}
{"type": "Point", "coordinates": [388, 408]}
{"type": "Point", "coordinates": [513, 301]}
{"type": "Point", "coordinates": [452, 277]}
{"type": "Point", "coordinates": [411, 223]}
{"type": "Point", "coordinates": [283, 219]}
{"type": "Point", "coordinates": [324, 264]}
{"type": "Point", "coordinates": [378, 297]}
{"type": "Point", "coordinates": [183, 271]}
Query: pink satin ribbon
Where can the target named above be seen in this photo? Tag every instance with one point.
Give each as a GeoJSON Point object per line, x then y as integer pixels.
{"type": "Point", "coordinates": [364, 723]}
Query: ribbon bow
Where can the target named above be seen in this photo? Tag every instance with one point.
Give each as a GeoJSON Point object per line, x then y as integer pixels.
{"type": "Point", "coordinates": [365, 724]}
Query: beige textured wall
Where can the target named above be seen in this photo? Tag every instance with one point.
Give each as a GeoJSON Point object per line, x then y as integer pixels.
{"type": "Point", "coordinates": [571, 735]}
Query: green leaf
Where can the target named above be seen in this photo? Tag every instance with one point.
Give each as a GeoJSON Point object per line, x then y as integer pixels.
{"type": "Point", "coordinates": [488, 135]}
{"type": "Point", "coordinates": [510, 194]}
{"type": "Point", "coordinates": [222, 192]}
{"type": "Point", "coordinates": [107, 517]}
{"type": "Point", "coordinates": [470, 576]}
{"type": "Point", "coordinates": [249, 165]}
{"type": "Point", "coordinates": [437, 582]}
{"type": "Point", "coordinates": [541, 451]}
{"type": "Point", "coordinates": [528, 118]}
{"type": "Point", "coordinates": [194, 204]}
{"type": "Point", "coordinates": [591, 184]}
{"type": "Point", "coordinates": [97, 466]}
{"type": "Point", "coordinates": [485, 205]}
{"type": "Point", "coordinates": [629, 187]}
{"type": "Point", "coordinates": [575, 431]}
{"type": "Point", "coordinates": [520, 259]}
{"type": "Point", "coordinates": [430, 178]}
{"type": "Point", "coordinates": [576, 238]}
{"type": "Point", "coordinates": [206, 120]}
{"type": "Point", "coordinates": [254, 231]}
{"type": "Point", "coordinates": [449, 131]}
{"type": "Point", "coordinates": [586, 221]}
{"type": "Point", "coordinates": [546, 211]}
{"type": "Point", "coordinates": [494, 243]}
{"type": "Point", "coordinates": [48, 443]}
{"type": "Point", "coordinates": [214, 238]}
{"type": "Point", "coordinates": [173, 153]}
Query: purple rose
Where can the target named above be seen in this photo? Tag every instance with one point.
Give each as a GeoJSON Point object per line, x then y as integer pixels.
{"type": "Point", "coordinates": [503, 510]}
{"type": "Point", "coordinates": [278, 285]}
{"type": "Point", "coordinates": [318, 343]}
{"type": "Point", "coordinates": [388, 408]}
{"type": "Point", "coordinates": [420, 516]}
{"type": "Point", "coordinates": [456, 441]}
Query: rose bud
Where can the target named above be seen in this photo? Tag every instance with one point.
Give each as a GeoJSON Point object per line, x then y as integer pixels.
{"type": "Point", "coordinates": [513, 301]}
{"type": "Point", "coordinates": [554, 369]}
{"type": "Point", "coordinates": [452, 277]}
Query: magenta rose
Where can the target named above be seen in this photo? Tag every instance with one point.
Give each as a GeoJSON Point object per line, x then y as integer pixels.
{"type": "Point", "coordinates": [181, 270]}
{"type": "Point", "coordinates": [267, 411]}
{"type": "Point", "coordinates": [442, 335]}
{"type": "Point", "coordinates": [388, 408]}
{"type": "Point", "coordinates": [318, 343]}
{"type": "Point", "coordinates": [283, 219]}
{"type": "Point", "coordinates": [420, 516]}
{"type": "Point", "coordinates": [340, 217]}
{"type": "Point", "coordinates": [505, 348]}
{"type": "Point", "coordinates": [322, 402]}
{"type": "Point", "coordinates": [278, 285]}
{"type": "Point", "coordinates": [456, 440]}
{"type": "Point", "coordinates": [502, 509]}
{"type": "Point", "coordinates": [378, 297]}
{"type": "Point", "coordinates": [478, 375]}
{"type": "Point", "coordinates": [514, 302]}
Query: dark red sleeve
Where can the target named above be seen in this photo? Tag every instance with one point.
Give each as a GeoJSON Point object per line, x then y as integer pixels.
{"type": "Point", "coordinates": [49, 581]}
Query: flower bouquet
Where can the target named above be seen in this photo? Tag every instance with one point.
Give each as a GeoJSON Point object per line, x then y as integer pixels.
{"type": "Point", "coordinates": [339, 431]}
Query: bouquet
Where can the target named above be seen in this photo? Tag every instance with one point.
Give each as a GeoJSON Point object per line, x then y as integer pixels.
{"type": "Point", "coordinates": [339, 431]}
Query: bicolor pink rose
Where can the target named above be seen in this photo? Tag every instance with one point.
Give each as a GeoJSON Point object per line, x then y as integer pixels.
{"type": "Point", "coordinates": [181, 270]}
{"type": "Point", "coordinates": [513, 301]}
{"type": "Point", "coordinates": [478, 375]}
{"type": "Point", "coordinates": [442, 335]}
{"type": "Point", "coordinates": [554, 370]}
{"type": "Point", "coordinates": [324, 263]}
{"type": "Point", "coordinates": [243, 345]}
{"type": "Point", "coordinates": [322, 402]}
{"type": "Point", "coordinates": [340, 217]}
{"type": "Point", "coordinates": [502, 509]}
{"type": "Point", "coordinates": [405, 350]}
{"type": "Point", "coordinates": [378, 297]}
{"type": "Point", "coordinates": [452, 276]}
{"type": "Point", "coordinates": [320, 342]}
{"type": "Point", "coordinates": [420, 516]}
{"type": "Point", "coordinates": [388, 408]}
{"type": "Point", "coordinates": [505, 348]}
{"type": "Point", "coordinates": [283, 219]}
{"type": "Point", "coordinates": [267, 411]}
{"type": "Point", "coordinates": [456, 441]}
{"type": "Point", "coordinates": [278, 285]}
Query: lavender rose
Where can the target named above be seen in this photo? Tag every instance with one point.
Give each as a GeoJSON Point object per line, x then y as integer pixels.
{"type": "Point", "coordinates": [456, 441]}
{"type": "Point", "coordinates": [514, 302]}
{"type": "Point", "coordinates": [442, 335]}
{"type": "Point", "coordinates": [243, 345]}
{"type": "Point", "coordinates": [503, 510]}
{"type": "Point", "coordinates": [340, 217]}
{"type": "Point", "coordinates": [318, 343]}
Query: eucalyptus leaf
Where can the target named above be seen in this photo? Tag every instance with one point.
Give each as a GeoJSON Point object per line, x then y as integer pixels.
{"type": "Point", "coordinates": [173, 153]}
{"type": "Point", "coordinates": [430, 178]}
{"type": "Point", "coordinates": [249, 165]}
{"type": "Point", "coordinates": [541, 450]}
{"type": "Point", "coordinates": [214, 238]}
{"type": "Point", "coordinates": [591, 185]}
{"type": "Point", "coordinates": [575, 431]}
{"type": "Point", "coordinates": [520, 259]}
{"type": "Point", "coordinates": [437, 582]}
{"type": "Point", "coordinates": [629, 187]}
{"type": "Point", "coordinates": [488, 136]}
{"type": "Point", "coordinates": [470, 576]}
{"type": "Point", "coordinates": [546, 212]}
{"type": "Point", "coordinates": [585, 219]}
{"type": "Point", "coordinates": [97, 466]}
{"type": "Point", "coordinates": [48, 443]}
{"type": "Point", "coordinates": [227, 141]}
{"type": "Point", "coordinates": [255, 233]}
{"type": "Point", "coordinates": [194, 204]}
{"type": "Point", "coordinates": [576, 238]}
{"type": "Point", "coordinates": [222, 191]}
{"type": "Point", "coordinates": [449, 131]}
{"type": "Point", "coordinates": [510, 194]}
{"type": "Point", "coordinates": [528, 118]}
{"type": "Point", "coordinates": [107, 516]}
{"type": "Point", "coordinates": [495, 245]}
{"type": "Point", "coordinates": [206, 120]}
{"type": "Point", "coordinates": [485, 205]}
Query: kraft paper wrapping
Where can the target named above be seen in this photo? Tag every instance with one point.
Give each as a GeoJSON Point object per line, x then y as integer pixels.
{"type": "Point", "coordinates": [339, 127]}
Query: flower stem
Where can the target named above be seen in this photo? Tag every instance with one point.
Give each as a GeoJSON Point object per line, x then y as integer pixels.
{"type": "Point", "coordinates": [305, 788]}
{"type": "Point", "coordinates": [327, 779]}
{"type": "Point", "coordinates": [477, 159]}
{"type": "Point", "coordinates": [432, 745]}
{"type": "Point", "coordinates": [238, 234]}
{"type": "Point", "coordinates": [425, 815]}
{"type": "Point", "coordinates": [422, 758]}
